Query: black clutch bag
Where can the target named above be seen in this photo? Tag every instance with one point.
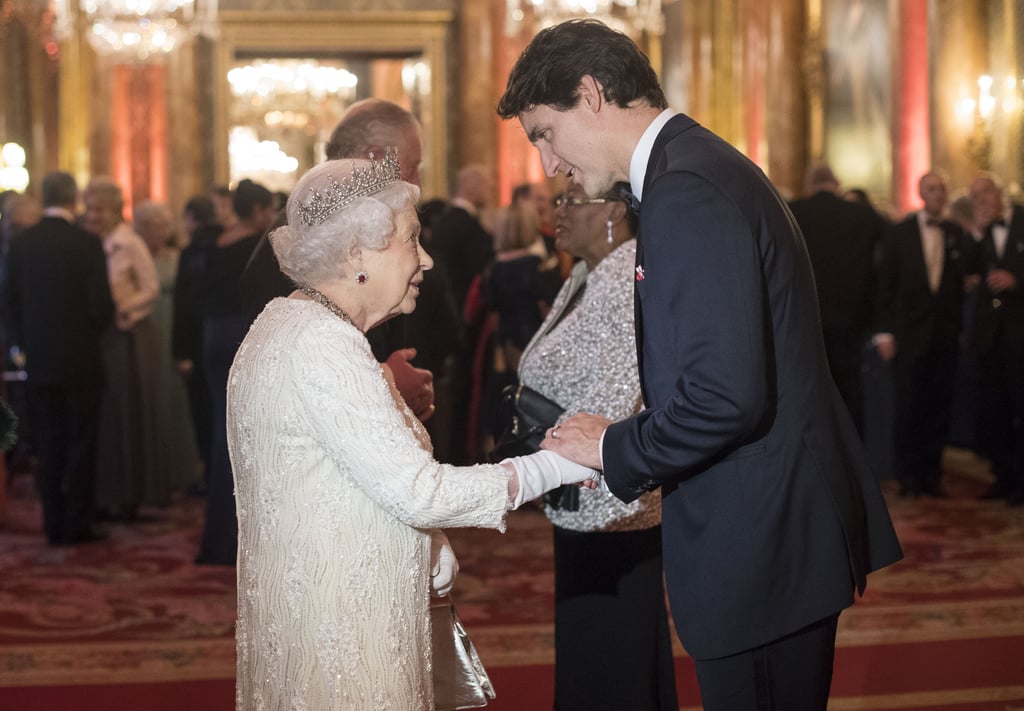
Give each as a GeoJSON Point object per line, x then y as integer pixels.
{"type": "Point", "coordinates": [527, 415]}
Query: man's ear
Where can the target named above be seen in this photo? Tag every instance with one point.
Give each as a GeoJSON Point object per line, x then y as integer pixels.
{"type": "Point", "coordinates": [591, 93]}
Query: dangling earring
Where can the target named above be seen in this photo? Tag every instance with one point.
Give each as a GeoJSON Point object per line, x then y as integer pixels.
{"type": "Point", "coordinates": [609, 231]}
{"type": "Point", "coordinates": [361, 277]}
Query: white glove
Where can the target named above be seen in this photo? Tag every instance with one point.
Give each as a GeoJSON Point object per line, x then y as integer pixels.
{"type": "Point", "coordinates": [443, 564]}
{"type": "Point", "coordinates": [543, 471]}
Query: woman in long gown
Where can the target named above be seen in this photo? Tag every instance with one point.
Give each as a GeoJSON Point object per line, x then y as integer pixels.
{"type": "Point", "coordinates": [126, 436]}
{"type": "Point", "coordinates": [174, 459]}
{"type": "Point", "coordinates": [337, 489]}
{"type": "Point", "coordinates": [612, 642]}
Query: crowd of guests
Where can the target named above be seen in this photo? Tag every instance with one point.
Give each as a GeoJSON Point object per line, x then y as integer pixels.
{"type": "Point", "coordinates": [933, 298]}
{"type": "Point", "coordinates": [128, 332]}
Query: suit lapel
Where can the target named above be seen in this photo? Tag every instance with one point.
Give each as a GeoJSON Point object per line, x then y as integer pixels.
{"type": "Point", "coordinates": [676, 125]}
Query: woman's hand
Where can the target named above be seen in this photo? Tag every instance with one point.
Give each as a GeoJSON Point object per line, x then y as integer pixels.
{"type": "Point", "coordinates": [444, 566]}
{"type": "Point", "coordinates": [543, 471]}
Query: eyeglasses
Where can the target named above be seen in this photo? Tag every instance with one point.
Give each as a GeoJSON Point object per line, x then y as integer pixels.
{"type": "Point", "coordinates": [576, 202]}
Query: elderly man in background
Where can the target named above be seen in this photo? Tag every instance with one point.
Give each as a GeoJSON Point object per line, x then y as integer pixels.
{"type": "Point", "coordinates": [368, 128]}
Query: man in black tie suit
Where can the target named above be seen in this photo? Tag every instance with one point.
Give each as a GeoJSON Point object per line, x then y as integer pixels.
{"type": "Point", "coordinates": [842, 239]}
{"type": "Point", "coordinates": [771, 516]}
{"type": "Point", "coordinates": [998, 337]}
{"type": "Point", "coordinates": [921, 276]}
{"type": "Point", "coordinates": [59, 303]}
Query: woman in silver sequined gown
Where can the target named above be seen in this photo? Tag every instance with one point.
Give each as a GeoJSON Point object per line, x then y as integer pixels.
{"type": "Point", "coordinates": [612, 643]}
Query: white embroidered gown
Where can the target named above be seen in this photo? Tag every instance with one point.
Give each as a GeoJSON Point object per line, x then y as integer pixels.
{"type": "Point", "coordinates": [336, 489]}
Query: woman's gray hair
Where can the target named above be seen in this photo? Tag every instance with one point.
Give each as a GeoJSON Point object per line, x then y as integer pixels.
{"type": "Point", "coordinates": [313, 254]}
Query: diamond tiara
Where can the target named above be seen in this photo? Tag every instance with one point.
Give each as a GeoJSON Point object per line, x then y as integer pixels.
{"type": "Point", "coordinates": [362, 182]}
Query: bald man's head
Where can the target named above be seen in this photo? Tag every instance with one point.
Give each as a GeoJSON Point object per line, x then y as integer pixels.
{"type": "Point", "coordinates": [371, 126]}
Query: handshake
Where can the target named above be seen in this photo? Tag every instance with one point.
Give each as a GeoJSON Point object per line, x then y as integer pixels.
{"type": "Point", "coordinates": [543, 471]}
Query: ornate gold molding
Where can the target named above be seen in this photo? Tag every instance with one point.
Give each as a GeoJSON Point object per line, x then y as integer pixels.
{"type": "Point", "coordinates": [299, 34]}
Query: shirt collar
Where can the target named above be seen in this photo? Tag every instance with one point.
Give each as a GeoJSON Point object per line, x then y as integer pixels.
{"type": "Point", "coordinates": [923, 217]}
{"type": "Point", "coordinates": [465, 205]}
{"type": "Point", "coordinates": [642, 152]}
{"type": "Point", "coordinates": [61, 212]}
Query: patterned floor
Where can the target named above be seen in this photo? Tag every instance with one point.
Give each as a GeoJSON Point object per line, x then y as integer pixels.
{"type": "Point", "coordinates": [942, 629]}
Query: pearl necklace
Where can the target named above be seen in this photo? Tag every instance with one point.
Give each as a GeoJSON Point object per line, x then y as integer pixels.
{"type": "Point", "coordinates": [324, 301]}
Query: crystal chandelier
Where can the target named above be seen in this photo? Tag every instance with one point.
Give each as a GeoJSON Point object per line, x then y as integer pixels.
{"type": "Point", "coordinates": [137, 30]}
{"type": "Point", "coordinates": [629, 16]}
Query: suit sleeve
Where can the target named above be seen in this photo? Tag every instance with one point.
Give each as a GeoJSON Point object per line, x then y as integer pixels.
{"type": "Point", "coordinates": [97, 285]}
{"type": "Point", "coordinates": [12, 296]}
{"type": "Point", "coordinates": [886, 283]}
{"type": "Point", "coordinates": [705, 338]}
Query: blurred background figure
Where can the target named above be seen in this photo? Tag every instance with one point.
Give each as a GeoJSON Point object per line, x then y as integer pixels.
{"type": "Point", "coordinates": [59, 305]}
{"type": "Point", "coordinates": [998, 338]}
{"type": "Point", "coordinates": [225, 322]}
{"type": "Point", "coordinates": [462, 247]}
{"type": "Point", "coordinates": [223, 206]}
{"type": "Point", "coordinates": [128, 435]}
{"type": "Point", "coordinates": [519, 288]}
{"type": "Point", "coordinates": [842, 239]}
{"type": "Point", "coordinates": [923, 264]}
{"type": "Point", "coordinates": [175, 457]}
{"type": "Point", "coordinates": [18, 212]}
{"type": "Point", "coordinates": [201, 228]}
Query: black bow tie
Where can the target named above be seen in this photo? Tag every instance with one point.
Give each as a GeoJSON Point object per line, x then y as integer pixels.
{"type": "Point", "coordinates": [933, 222]}
{"type": "Point", "coordinates": [630, 199]}
{"type": "Point", "coordinates": [999, 222]}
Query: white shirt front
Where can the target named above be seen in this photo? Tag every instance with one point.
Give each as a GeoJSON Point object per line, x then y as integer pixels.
{"type": "Point", "coordinates": [934, 250]}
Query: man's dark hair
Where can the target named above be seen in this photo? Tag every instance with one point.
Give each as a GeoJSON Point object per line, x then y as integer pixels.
{"type": "Point", "coordinates": [616, 193]}
{"type": "Point", "coordinates": [521, 192]}
{"type": "Point", "coordinates": [550, 69]}
{"type": "Point", "coordinates": [200, 207]}
{"type": "Point", "coordinates": [59, 190]}
{"type": "Point", "coordinates": [367, 124]}
{"type": "Point", "coordinates": [248, 196]}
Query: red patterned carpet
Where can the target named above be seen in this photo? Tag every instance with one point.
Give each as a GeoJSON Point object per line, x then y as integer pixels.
{"type": "Point", "coordinates": [130, 624]}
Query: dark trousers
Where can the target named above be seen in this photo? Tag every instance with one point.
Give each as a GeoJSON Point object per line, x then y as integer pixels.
{"type": "Point", "coordinates": [844, 348]}
{"type": "Point", "coordinates": [65, 422]}
{"type": "Point", "coordinates": [924, 396]}
{"type": "Point", "coordinates": [613, 648]}
{"type": "Point", "coordinates": [219, 542]}
{"type": "Point", "coordinates": [790, 674]}
{"type": "Point", "coordinates": [1001, 415]}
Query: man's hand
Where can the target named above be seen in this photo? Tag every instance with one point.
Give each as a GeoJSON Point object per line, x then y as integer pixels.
{"type": "Point", "coordinates": [886, 347]}
{"type": "Point", "coordinates": [415, 385]}
{"type": "Point", "coordinates": [578, 439]}
{"type": "Point", "coordinates": [1000, 280]}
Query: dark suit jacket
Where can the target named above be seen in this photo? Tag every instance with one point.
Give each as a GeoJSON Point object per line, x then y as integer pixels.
{"type": "Point", "coordinates": [59, 303]}
{"type": "Point", "coordinates": [771, 516]}
{"type": "Point", "coordinates": [841, 238]}
{"type": "Point", "coordinates": [921, 321]}
{"type": "Point", "coordinates": [463, 247]}
{"type": "Point", "coordinates": [1000, 317]}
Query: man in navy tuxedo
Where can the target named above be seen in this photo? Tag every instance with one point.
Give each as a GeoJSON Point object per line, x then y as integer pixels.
{"type": "Point", "coordinates": [771, 516]}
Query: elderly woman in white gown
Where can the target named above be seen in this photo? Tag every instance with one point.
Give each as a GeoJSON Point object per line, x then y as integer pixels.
{"type": "Point", "coordinates": [337, 490]}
